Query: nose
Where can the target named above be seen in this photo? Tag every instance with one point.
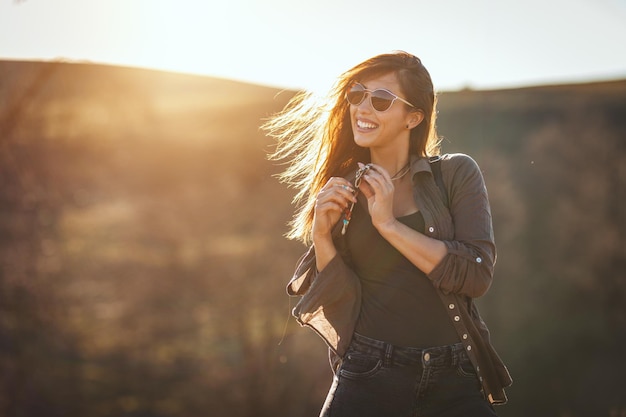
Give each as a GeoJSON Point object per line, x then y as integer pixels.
{"type": "Point", "coordinates": [367, 102]}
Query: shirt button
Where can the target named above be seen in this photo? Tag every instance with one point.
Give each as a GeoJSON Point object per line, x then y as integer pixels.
{"type": "Point", "coordinates": [451, 306]}
{"type": "Point", "coordinates": [431, 229]}
{"type": "Point", "coordinates": [457, 318]}
{"type": "Point", "coordinates": [469, 347]}
{"type": "Point", "coordinates": [464, 336]}
{"type": "Point", "coordinates": [426, 357]}
{"type": "Point", "coordinates": [479, 259]}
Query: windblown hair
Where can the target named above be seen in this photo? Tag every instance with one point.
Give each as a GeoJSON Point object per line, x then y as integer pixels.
{"type": "Point", "coordinates": [315, 135]}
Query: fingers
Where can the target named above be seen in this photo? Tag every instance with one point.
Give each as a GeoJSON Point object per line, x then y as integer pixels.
{"type": "Point", "coordinates": [337, 182]}
{"type": "Point", "coordinates": [378, 171]}
{"type": "Point", "coordinates": [337, 189]}
{"type": "Point", "coordinates": [379, 180]}
{"type": "Point", "coordinates": [336, 194]}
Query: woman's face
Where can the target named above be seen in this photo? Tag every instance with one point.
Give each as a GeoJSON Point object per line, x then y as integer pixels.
{"type": "Point", "coordinates": [381, 130]}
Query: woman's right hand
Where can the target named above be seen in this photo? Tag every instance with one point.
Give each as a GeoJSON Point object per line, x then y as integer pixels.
{"type": "Point", "coordinates": [336, 196]}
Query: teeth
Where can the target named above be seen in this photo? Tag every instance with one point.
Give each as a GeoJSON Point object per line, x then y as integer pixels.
{"type": "Point", "coordinates": [365, 125]}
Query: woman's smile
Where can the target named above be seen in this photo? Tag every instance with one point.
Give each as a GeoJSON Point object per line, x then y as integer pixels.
{"type": "Point", "coordinates": [365, 124]}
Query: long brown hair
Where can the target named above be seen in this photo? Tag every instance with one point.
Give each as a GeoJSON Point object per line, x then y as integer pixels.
{"type": "Point", "coordinates": [315, 135]}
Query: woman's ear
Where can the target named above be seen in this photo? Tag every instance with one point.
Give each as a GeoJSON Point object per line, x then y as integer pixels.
{"type": "Point", "coordinates": [414, 118]}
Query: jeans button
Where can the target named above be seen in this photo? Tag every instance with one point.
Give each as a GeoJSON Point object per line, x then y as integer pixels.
{"type": "Point", "coordinates": [426, 357]}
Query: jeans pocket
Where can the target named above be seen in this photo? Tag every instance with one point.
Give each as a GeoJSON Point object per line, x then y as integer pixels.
{"type": "Point", "coordinates": [466, 369]}
{"type": "Point", "coordinates": [359, 366]}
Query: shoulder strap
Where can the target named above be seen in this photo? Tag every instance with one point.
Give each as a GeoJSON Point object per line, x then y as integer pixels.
{"type": "Point", "coordinates": [435, 166]}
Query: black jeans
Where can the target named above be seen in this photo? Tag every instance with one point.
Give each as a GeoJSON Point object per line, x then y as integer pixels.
{"type": "Point", "coordinates": [380, 380]}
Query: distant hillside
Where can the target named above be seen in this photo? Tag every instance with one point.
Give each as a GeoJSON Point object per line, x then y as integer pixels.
{"type": "Point", "coordinates": [153, 103]}
{"type": "Point", "coordinates": [498, 118]}
{"type": "Point", "coordinates": [143, 263]}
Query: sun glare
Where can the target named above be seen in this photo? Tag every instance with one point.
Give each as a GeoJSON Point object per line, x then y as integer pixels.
{"type": "Point", "coordinates": [217, 38]}
{"type": "Point", "coordinates": [306, 45]}
{"type": "Point", "coordinates": [178, 37]}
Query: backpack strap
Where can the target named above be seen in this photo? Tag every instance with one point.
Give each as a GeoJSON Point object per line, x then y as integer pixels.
{"type": "Point", "coordinates": [435, 166]}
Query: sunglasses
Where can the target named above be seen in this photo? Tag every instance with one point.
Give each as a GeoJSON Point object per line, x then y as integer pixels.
{"type": "Point", "coordinates": [380, 99]}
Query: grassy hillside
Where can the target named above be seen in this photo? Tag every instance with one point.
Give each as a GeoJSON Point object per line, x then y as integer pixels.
{"type": "Point", "coordinates": [143, 264]}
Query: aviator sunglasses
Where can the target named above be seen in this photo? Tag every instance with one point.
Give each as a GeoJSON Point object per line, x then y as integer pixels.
{"type": "Point", "coordinates": [380, 99]}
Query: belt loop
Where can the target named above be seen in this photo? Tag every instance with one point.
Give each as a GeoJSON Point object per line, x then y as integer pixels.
{"type": "Point", "coordinates": [388, 354]}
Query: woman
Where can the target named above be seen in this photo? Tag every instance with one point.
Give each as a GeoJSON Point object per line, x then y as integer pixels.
{"type": "Point", "coordinates": [401, 242]}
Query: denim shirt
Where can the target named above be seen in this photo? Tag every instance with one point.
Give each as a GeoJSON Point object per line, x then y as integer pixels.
{"type": "Point", "coordinates": [331, 298]}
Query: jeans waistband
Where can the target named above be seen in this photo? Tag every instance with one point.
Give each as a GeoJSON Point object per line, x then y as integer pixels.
{"type": "Point", "coordinates": [439, 356]}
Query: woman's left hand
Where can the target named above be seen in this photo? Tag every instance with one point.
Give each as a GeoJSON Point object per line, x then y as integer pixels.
{"type": "Point", "coordinates": [378, 189]}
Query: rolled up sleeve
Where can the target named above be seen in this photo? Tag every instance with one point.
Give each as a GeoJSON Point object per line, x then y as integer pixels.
{"type": "Point", "coordinates": [468, 266]}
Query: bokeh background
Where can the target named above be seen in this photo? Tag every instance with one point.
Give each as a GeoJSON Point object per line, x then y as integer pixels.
{"type": "Point", "coordinates": [143, 266]}
{"type": "Point", "coordinates": [142, 258]}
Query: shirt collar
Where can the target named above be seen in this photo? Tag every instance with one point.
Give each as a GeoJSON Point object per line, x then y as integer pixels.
{"type": "Point", "coordinates": [419, 164]}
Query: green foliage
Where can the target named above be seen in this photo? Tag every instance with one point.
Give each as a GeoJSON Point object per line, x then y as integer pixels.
{"type": "Point", "coordinates": [142, 262]}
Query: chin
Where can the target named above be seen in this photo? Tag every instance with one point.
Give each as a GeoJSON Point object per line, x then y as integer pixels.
{"type": "Point", "coordinates": [362, 141]}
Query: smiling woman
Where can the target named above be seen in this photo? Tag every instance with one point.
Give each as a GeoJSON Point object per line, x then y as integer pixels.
{"type": "Point", "coordinates": [387, 249]}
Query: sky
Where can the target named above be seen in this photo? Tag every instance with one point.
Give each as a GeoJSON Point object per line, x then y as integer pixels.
{"type": "Point", "coordinates": [481, 44]}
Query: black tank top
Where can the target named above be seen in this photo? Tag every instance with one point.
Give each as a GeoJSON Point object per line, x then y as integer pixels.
{"type": "Point", "coordinates": [399, 303]}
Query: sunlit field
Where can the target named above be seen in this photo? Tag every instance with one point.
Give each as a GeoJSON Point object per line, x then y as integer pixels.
{"type": "Point", "coordinates": [143, 263]}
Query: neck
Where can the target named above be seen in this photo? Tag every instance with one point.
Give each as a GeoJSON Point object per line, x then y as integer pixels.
{"type": "Point", "coordinates": [401, 173]}
{"type": "Point", "coordinates": [394, 165]}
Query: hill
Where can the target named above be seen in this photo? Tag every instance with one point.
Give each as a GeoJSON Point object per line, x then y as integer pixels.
{"type": "Point", "coordinates": [143, 263]}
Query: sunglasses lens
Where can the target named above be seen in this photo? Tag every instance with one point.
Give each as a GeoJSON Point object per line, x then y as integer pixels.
{"type": "Point", "coordinates": [356, 94]}
{"type": "Point", "coordinates": [381, 100]}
